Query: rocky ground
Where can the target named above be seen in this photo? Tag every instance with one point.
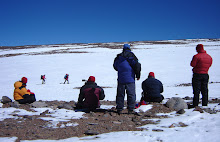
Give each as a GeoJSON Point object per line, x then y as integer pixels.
{"type": "Point", "coordinates": [31, 127]}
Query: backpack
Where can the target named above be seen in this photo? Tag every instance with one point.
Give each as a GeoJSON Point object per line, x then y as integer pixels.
{"type": "Point", "coordinates": [41, 77]}
{"type": "Point", "coordinates": [92, 98]}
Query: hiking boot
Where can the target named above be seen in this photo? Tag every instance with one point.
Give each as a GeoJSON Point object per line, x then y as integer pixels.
{"type": "Point", "coordinates": [130, 112]}
{"type": "Point", "coordinates": [119, 112]}
{"type": "Point", "coordinates": [190, 106]}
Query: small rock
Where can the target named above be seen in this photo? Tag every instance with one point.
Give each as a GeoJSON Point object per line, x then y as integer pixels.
{"type": "Point", "coordinates": [181, 124]}
{"type": "Point", "coordinates": [39, 104]}
{"type": "Point", "coordinates": [157, 130]}
{"type": "Point", "coordinates": [5, 100]}
{"type": "Point", "coordinates": [176, 103]}
{"type": "Point", "coordinates": [198, 109]}
{"type": "Point", "coordinates": [90, 132]}
{"type": "Point", "coordinates": [116, 122]}
{"type": "Point", "coordinates": [182, 111]}
{"type": "Point", "coordinates": [172, 126]}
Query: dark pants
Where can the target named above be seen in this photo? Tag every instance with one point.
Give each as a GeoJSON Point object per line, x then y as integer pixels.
{"type": "Point", "coordinates": [153, 99]}
{"type": "Point", "coordinates": [27, 99]}
{"type": "Point", "coordinates": [200, 84]}
{"type": "Point", "coordinates": [131, 96]}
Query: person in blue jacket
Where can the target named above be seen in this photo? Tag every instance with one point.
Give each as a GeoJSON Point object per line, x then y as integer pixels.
{"type": "Point", "coordinates": [128, 68]}
{"type": "Point", "coordinates": [152, 88]}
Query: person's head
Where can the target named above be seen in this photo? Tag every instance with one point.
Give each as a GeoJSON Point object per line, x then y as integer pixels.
{"type": "Point", "coordinates": [199, 48]}
{"type": "Point", "coordinates": [126, 47]}
{"type": "Point", "coordinates": [24, 80]}
{"type": "Point", "coordinates": [91, 79]}
{"type": "Point", "coordinates": [151, 75]}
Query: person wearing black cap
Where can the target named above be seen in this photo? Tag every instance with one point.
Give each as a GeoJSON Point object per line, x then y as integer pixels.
{"type": "Point", "coordinates": [152, 88]}
{"type": "Point", "coordinates": [128, 68]}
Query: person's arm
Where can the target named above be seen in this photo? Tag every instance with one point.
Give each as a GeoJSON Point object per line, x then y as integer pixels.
{"type": "Point", "coordinates": [102, 94]}
{"type": "Point", "coordinates": [194, 61]}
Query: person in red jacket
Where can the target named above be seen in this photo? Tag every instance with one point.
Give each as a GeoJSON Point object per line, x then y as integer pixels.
{"type": "Point", "coordinates": [201, 63]}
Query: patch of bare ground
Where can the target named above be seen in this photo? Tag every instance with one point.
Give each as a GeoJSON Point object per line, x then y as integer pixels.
{"type": "Point", "coordinates": [93, 123]}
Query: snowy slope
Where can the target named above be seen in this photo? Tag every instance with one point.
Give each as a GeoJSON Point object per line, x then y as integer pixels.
{"type": "Point", "coordinates": [169, 60]}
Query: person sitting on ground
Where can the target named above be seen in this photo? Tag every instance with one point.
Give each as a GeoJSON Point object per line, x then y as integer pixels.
{"type": "Point", "coordinates": [89, 96]}
{"type": "Point", "coordinates": [152, 88]}
{"type": "Point", "coordinates": [21, 94]}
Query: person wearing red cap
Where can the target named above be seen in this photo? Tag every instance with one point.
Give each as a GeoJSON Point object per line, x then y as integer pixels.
{"type": "Point", "coordinates": [66, 78]}
{"type": "Point", "coordinates": [152, 89]}
{"type": "Point", "coordinates": [21, 94]}
{"type": "Point", "coordinates": [89, 96]}
{"type": "Point", "coordinates": [201, 63]}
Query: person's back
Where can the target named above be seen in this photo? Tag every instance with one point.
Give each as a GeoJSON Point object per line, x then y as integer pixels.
{"type": "Point", "coordinates": [152, 88]}
{"type": "Point", "coordinates": [201, 62]}
{"type": "Point", "coordinates": [90, 94]}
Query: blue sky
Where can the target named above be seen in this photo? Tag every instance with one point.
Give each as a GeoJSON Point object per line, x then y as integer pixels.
{"type": "Point", "coordinates": [34, 22]}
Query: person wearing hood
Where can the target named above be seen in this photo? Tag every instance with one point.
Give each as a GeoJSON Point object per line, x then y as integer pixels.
{"type": "Point", "coordinates": [201, 63]}
{"type": "Point", "coordinates": [21, 94]}
{"type": "Point", "coordinates": [128, 68]}
{"type": "Point", "coordinates": [152, 88]}
{"type": "Point", "coordinates": [89, 96]}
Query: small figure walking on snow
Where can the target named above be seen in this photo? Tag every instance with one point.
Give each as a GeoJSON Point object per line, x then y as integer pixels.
{"type": "Point", "coordinates": [43, 79]}
{"type": "Point", "coordinates": [66, 77]}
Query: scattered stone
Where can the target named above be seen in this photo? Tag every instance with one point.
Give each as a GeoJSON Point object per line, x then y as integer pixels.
{"type": "Point", "coordinates": [181, 124]}
{"type": "Point", "coordinates": [14, 104]}
{"type": "Point", "coordinates": [39, 104]}
{"type": "Point", "coordinates": [157, 130]}
{"type": "Point", "coordinates": [172, 126]}
{"type": "Point", "coordinates": [188, 98]}
{"type": "Point", "coordinates": [197, 108]}
{"type": "Point", "coordinates": [45, 112]}
{"type": "Point", "coordinates": [5, 100]}
{"type": "Point", "coordinates": [176, 103]}
{"type": "Point", "coordinates": [116, 122]}
{"type": "Point", "coordinates": [182, 111]}
{"type": "Point", "coordinates": [90, 132]}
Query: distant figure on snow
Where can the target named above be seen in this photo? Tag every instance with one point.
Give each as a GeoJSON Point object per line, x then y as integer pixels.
{"type": "Point", "coordinates": [43, 78]}
{"type": "Point", "coordinates": [128, 68]}
{"type": "Point", "coordinates": [21, 94]}
{"type": "Point", "coordinates": [66, 78]}
{"type": "Point", "coordinates": [201, 63]}
{"type": "Point", "coordinates": [152, 88]}
{"type": "Point", "coordinates": [89, 96]}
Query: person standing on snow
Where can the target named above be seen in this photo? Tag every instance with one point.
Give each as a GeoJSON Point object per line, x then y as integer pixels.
{"type": "Point", "coordinates": [128, 67]}
{"type": "Point", "coordinates": [152, 88]}
{"type": "Point", "coordinates": [21, 94]}
{"type": "Point", "coordinates": [43, 79]}
{"type": "Point", "coordinates": [66, 77]}
{"type": "Point", "coordinates": [89, 96]}
{"type": "Point", "coordinates": [201, 63]}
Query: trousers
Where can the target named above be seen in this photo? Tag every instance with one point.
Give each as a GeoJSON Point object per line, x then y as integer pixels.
{"type": "Point", "coordinates": [131, 96]}
{"type": "Point", "coordinates": [200, 84]}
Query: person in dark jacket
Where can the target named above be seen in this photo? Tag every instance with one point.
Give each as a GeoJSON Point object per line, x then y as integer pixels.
{"type": "Point", "coordinates": [201, 63]}
{"type": "Point", "coordinates": [128, 68]}
{"type": "Point", "coordinates": [66, 78]}
{"type": "Point", "coordinates": [152, 88]}
{"type": "Point", "coordinates": [89, 96]}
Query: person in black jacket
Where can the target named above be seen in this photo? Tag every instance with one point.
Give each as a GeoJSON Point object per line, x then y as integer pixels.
{"type": "Point", "coordinates": [128, 68]}
{"type": "Point", "coordinates": [152, 88]}
{"type": "Point", "coordinates": [89, 96]}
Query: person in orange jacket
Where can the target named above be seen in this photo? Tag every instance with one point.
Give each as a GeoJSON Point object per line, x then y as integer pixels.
{"type": "Point", "coordinates": [21, 94]}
